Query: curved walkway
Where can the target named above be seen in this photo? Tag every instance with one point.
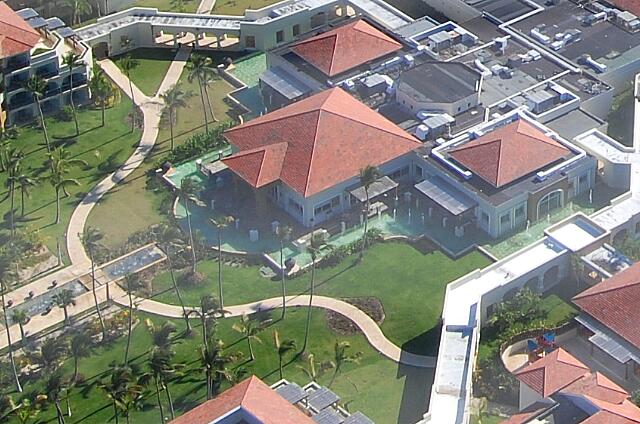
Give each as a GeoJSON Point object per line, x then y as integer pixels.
{"type": "Point", "coordinates": [368, 326]}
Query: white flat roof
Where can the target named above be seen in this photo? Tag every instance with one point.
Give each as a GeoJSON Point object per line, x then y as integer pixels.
{"type": "Point", "coordinates": [576, 233]}
{"type": "Point", "coordinates": [605, 147]}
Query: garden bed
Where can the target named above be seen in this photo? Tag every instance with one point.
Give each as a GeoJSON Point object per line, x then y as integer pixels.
{"type": "Point", "coordinates": [372, 306]}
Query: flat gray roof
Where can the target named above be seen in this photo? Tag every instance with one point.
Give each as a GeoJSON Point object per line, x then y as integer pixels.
{"type": "Point", "coordinates": [439, 82]}
{"type": "Point", "coordinates": [446, 195]}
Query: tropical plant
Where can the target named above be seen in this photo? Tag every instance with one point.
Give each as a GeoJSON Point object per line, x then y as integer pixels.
{"type": "Point", "coordinates": [250, 328]}
{"type": "Point", "coordinates": [71, 60]}
{"type": "Point", "coordinates": [25, 180]}
{"type": "Point", "coordinates": [175, 98]}
{"type": "Point", "coordinates": [131, 283]}
{"type": "Point", "coordinates": [128, 64]}
{"type": "Point", "coordinates": [63, 300]}
{"type": "Point", "coordinates": [170, 238]}
{"type": "Point", "coordinates": [221, 224]}
{"type": "Point", "coordinates": [14, 171]}
{"type": "Point", "coordinates": [284, 233]}
{"type": "Point", "coordinates": [80, 346]}
{"type": "Point", "coordinates": [91, 240]}
{"type": "Point", "coordinates": [101, 90]}
{"type": "Point", "coordinates": [26, 410]}
{"type": "Point", "coordinates": [53, 388]}
{"type": "Point", "coordinates": [187, 190]}
{"type": "Point", "coordinates": [283, 347]}
{"type": "Point", "coordinates": [37, 86]}
{"type": "Point", "coordinates": [342, 357]}
{"type": "Point", "coordinates": [199, 143]}
{"type": "Point", "coordinates": [161, 335]}
{"type": "Point", "coordinates": [123, 389]}
{"type": "Point", "coordinates": [523, 309]}
{"type": "Point", "coordinates": [215, 364]}
{"type": "Point", "coordinates": [316, 243]}
{"type": "Point", "coordinates": [368, 175]}
{"type": "Point", "coordinates": [78, 8]}
{"type": "Point", "coordinates": [162, 370]}
{"type": "Point", "coordinates": [51, 353]}
{"type": "Point", "coordinates": [314, 370]}
{"type": "Point", "coordinates": [200, 68]}
{"type": "Point", "coordinates": [5, 266]}
{"type": "Point", "coordinates": [20, 317]}
{"type": "Point", "coordinates": [635, 397]}
{"type": "Point", "coordinates": [479, 410]}
{"type": "Point", "coordinates": [59, 178]}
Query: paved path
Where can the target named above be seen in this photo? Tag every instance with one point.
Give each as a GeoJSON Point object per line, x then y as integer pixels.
{"type": "Point", "coordinates": [368, 326]}
{"type": "Point", "coordinates": [206, 6]}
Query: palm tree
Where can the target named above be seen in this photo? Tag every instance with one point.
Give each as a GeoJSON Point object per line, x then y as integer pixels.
{"type": "Point", "coordinates": [25, 181]}
{"type": "Point", "coordinates": [81, 346]}
{"type": "Point", "coordinates": [5, 266]}
{"type": "Point", "coordinates": [169, 237]}
{"type": "Point", "coordinates": [131, 283]}
{"type": "Point", "coordinates": [250, 329]}
{"type": "Point", "coordinates": [208, 308]}
{"type": "Point", "coordinates": [341, 357]}
{"type": "Point", "coordinates": [175, 98]}
{"type": "Point", "coordinates": [63, 300]}
{"type": "Point", "coordinates": [20, 317]}
{"type": "Point", "coordinates": [14, 171]}
{"type": "Point", "coordinates": [283, 233]}
{"type": "Point", "coordinates": [51, 353]}
{"type": "Point", "coordinates": [161, 336]}
{"type": "Point", "coordinates": [187, 190]}
{"type": "Point", "coordinates": [37, 86]}
{"type": "Point", "coordinates": [200, 69]}
{"type": "Point", "coordinates": [220, 224]}
{"type": "Point", "coordinates": [214, 362]}
{"type": "Point", "coordinates": [101, 89]}
{"type": "Point", "coordinates": [78, 8]}
{"type": "Point", "coordinates": [91, 240]}
{"type": "Point", "coordinates": [54, 385]}
{"type": "Point", "coordinates": [71, 60]}
{"type": "Point", "coordinates": [368, 175]}
{"type": "Point", "coordinates": [210, 78]}
{"type": "Point", "coordinates": [128, 64]}
{"type": "Point", "coordinates": [60, 167]}
{"type": "Point", "coordinates": [316, 243]}
{"type": "Point", "coordinates": [282, 347]}
{"type": "Point", "coordinates": [314, 370]}
{"type": "Point", "coordinates": [123, 389]}
{"type": "Point", "coordinates": [162, 370]}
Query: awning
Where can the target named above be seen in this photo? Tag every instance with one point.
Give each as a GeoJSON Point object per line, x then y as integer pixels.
{"type": "Point", "coordinates": [378, 187]}
{"type": "Point", "coordinates": [66, 32]}
{"type": "Point", "coordinates": [284, 83]}
{"type": "Point", "coordinates": [445, 195]}
{"type": "Point", "coordinates": [610, 343]}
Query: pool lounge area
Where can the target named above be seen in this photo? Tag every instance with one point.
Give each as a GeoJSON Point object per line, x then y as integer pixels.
{"type": "Point", "coordinates": [247, 70]}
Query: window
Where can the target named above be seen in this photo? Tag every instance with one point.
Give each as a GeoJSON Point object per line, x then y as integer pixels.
{"type": "Point", "coordinates": [549, 203]}
{"type": "Point", "coordinates": [637, 227]}
{"type": "Point", "coordinates": [327, 207]}
{"type": "Point", "coordinates": [400, 173]}
{"type": "Point", "coordinates": [295, 206]}
{"type": "Point", "coordinates": [505, 219]}
{"type": "Point", "coordinates": [296, 30]}
{"type": "Point", "coordinates": [418, 171]}
{"type": "Point", "coordinates": [279, 36]}
{"type": "Point", "coordinates": [250, 42]}
{"type": "Point", "coordinates": [519, 213]}
{"type": "Point", "coordinates": [484, 217]}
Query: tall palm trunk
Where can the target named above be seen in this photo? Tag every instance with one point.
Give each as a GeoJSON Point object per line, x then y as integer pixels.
{"type": "Point", "coordinates": [95, 296]}
{"type": "Point", "coordinates": [103, 107]}
{"type": "Point", "coordinates": [366, 223]}
{"type": "Point", "coordinates": [282, 282]}
{"type": "Point", "coordinates": [9, 344]}
{"type": "Point", "coordinates": [220, 272]}
{"type": "Point", "coordinates": [71, 102]}
{"type": "Point", "coordinates": [66, 315]}
{"type": "Point", "coordinates": [12, 188]}
{"type": "Point", "coordinates": [311, 292]}
{"type": "Point", "coordinates": [59, 412]}
{"type": "Point", "coordinates": [133, 104]}
{"type": "Point", "coordinates": [22, 335]}
{"type": "Point", "coordinates": [177, 290]}
{"type": "Point", "coordinates": [194, 260]}
{"type": "Point", "coordinates": [130, 325]}
{"type": "Point", "coordinates": [159, 400]}
{"type": "Point", "coordinates": [21, 202]}
{"type": "Point", "coordinates": [206, 92]}
{"type": "Point", "coordinates": [57, 205]}
{"type": "Point", "coordinates": [251, 353]}
{"type": "Point", "coordinates": [44, 125]}
{"type": "Point", "coordinates": [169, 399]}
{"type": "Point", "coordinates": [209, 384]}
{"type": "Point", "coordinates": [204, 106]}
{"type": "Point", "coordinates": [115, 410]}
{"type": "Point", "coordinates": [171, 126]}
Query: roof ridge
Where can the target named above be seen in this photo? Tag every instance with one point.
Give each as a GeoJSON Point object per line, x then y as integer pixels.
{"type": "Point", "coordinates": [313, 146]}
{"type": "Point", "coordinates": [601, 290]}
{"type": "Point", "coordinates": [350, 118]}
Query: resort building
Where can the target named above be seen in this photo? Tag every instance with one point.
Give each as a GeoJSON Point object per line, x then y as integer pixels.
{"type": "Point", "coordinates": [32, 45]}
{"type": "Point", "coordinates": [558, 388]}
{"type": "Point", "coordinates": [307, 157]}
{"type": "Point", "coordinates": [609, 317]}
{"type": "Point", "coordinates": [502, 174]}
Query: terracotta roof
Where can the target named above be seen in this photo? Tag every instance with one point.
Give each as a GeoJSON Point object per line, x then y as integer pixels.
{"type": "Point", "coordinates": [604, 417]}
{"type": "Point", "coordinates": [528, 413]}
{"type": "Point", "coordinates": [632, 6]}
{"type": "Point", "coordinates": [611, 413]}
{"type": "Point", "coordinates": [251, 395]}
{"type": "Point", "coordinates": [509, 153]}
{"type": "Point", "coordinates": [346, 47]}
{"type": "Point", "coordinates": [16, 35]}
{"type": "Point", "coordinates": [614, 303]}
{"type": "Point", "coordinates": [316, 143]}
{"type": "Point", "coordinates": [552, 373]}
{"type": "Point", "coordinates": [598, 386]}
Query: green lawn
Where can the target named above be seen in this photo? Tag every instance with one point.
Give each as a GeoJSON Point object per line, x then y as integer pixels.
{"type": "Point", "coordinates": [378, 387]}
{"type": "Point", "coordinates": [237, 7]}
{"type": "Point", "coordinates": [153, 65]}
{"type": "Point", "coordinates": [103, 148]}
{"type": "Point", "coordinates": [187, 6]}
{"type": "Point", "coordinates": [409, 284]}
{"type": "Point", "coordinates": [144, 205]}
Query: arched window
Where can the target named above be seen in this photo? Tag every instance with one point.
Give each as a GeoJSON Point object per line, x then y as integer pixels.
{"type": "Point", "coordinates": [549, 203]}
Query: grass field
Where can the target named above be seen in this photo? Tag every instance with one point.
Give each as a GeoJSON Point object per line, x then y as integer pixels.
{"type": "Point", "coordinates": [187, 6]}
{"type": "Point", "coordinates": [409, 284]}
{"type": "Point", "coordinates": [153, 65]}
{"type": "Point", "coordinates": [237, 7]}
{"type": "Point", "coordinates": [378, 387]}
{"type": "Point", "coordinates": [103, 148]}
{"type": "Point", "coordinates": [144, 205]}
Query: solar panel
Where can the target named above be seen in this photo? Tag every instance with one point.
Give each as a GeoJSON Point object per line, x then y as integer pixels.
{"type": "Point", "coordinates": [66, 32]}
{"type": "Point", "coordinates": [37, 22]}
{"type": "Point", "coordinates": [328, 416]}
{"type": "Point", "coordinates": [444, 194]}
{"type": "Point", "coordinates": [292, 393]}
{"type": "Point", "coordinates": [358, 418]}
{"type": "Point", "coordinates": [322, 398]}
{"type": "Point", "coordinates": [27, 13]}
{"type": "Point", "coordinates": [55, 23]}
{"type": "Point", "coordinates": [284, 83]}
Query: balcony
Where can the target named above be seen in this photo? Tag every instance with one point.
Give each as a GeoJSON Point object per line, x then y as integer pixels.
{"type": "Point", "coordinates": [14, 65]}
{"type": "Point", "coordinates": [46, 73]}
{"type": "Point", "coordinates": [16, 83]}
{"type": "Point", "coordinates": [20, 100]}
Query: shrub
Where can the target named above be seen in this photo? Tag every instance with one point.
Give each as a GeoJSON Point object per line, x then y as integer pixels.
{"type": "Point", "coordinates": [635, 397]}
{"type": "Point", "coordinates": [198, 144]}
{"type": "Point", "coordinates": [191, 279]}
{"type": "Point", "coordinates": [493, 381]}
{"type": "Point", "coordinates": [65, 114]}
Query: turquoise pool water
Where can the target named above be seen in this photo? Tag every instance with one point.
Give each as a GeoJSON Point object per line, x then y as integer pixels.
{"type": "Point", "coordinates": [249, 70]}
{"type": "Point", "coordinates": [190, 169]}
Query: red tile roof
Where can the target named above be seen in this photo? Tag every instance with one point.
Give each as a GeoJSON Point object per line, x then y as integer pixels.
{"type": "Point", "coordinates": [528, 413]}
{"type": "Point", "coordinates": [614, 303]}
{"type": "Point", "coordinates": [16, 35]}
{"type": "Point", "coordinates": [632, 6]}
{"type": "Point", "coordinates": [552, 373]}
{"type": "Point", "coordinates": [598, 386]}
{"type": "Point", "coordinates": [509, 153]}
{"type": "Point", "coordinates": [315, 143]}
{"type": "Point", "coordinates": [345, 47]}
{"type": "Point", "coordinates": [251, 395]}
{"type": "Point", "coordinates": [611, 413]}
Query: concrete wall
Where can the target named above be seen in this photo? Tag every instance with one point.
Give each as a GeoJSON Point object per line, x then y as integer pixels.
{"type": "Point", "coordinates": [600, 105]}
{"type": "Point", "coordinates": [412, 106]}
{"type": "Point", "coordinates": [455, 10]}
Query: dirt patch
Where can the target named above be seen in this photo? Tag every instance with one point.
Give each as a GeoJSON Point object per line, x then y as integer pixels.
{"type": "Point", "coordinates": [344, 326]}
{"type": "Point", "coordinates": [424, 245]}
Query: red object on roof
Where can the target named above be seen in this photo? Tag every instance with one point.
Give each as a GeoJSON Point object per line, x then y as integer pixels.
{"type": "Point", "coordinates": [252, 396]}
{"type": "Point", "coordinates": [614, 303]}
{"type": "Point", "coordinates": [509, 153]}
{"type": "Point", "coordinates": [346, 47]}
{"type": "Point", "coordinates": [316, 143]}
{"type": "Point", "coordinates": [552, 373]}
{"type": "Point", "coordinates": [632, 6]}
{"type": "Point", "coordinates": [16, 35]}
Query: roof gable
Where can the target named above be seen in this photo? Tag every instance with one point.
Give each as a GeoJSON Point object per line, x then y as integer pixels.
{"type": "Point", "coordinates": [346, 47]}
{"type": "Point", "coordinates": [614, 303]}
{"type": "Point", "coordinates": [598, 386]}
{"type": "Point", "coordinates": [329, 137]}
{"type": "Point", "coordinates": [509, 153]}
{"type": "Point", "coordinates": [552, 373]}
{"type": "Point", "coordinates": [16, 35]}
{"type": "Point", "coordinates": [625, 412]}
